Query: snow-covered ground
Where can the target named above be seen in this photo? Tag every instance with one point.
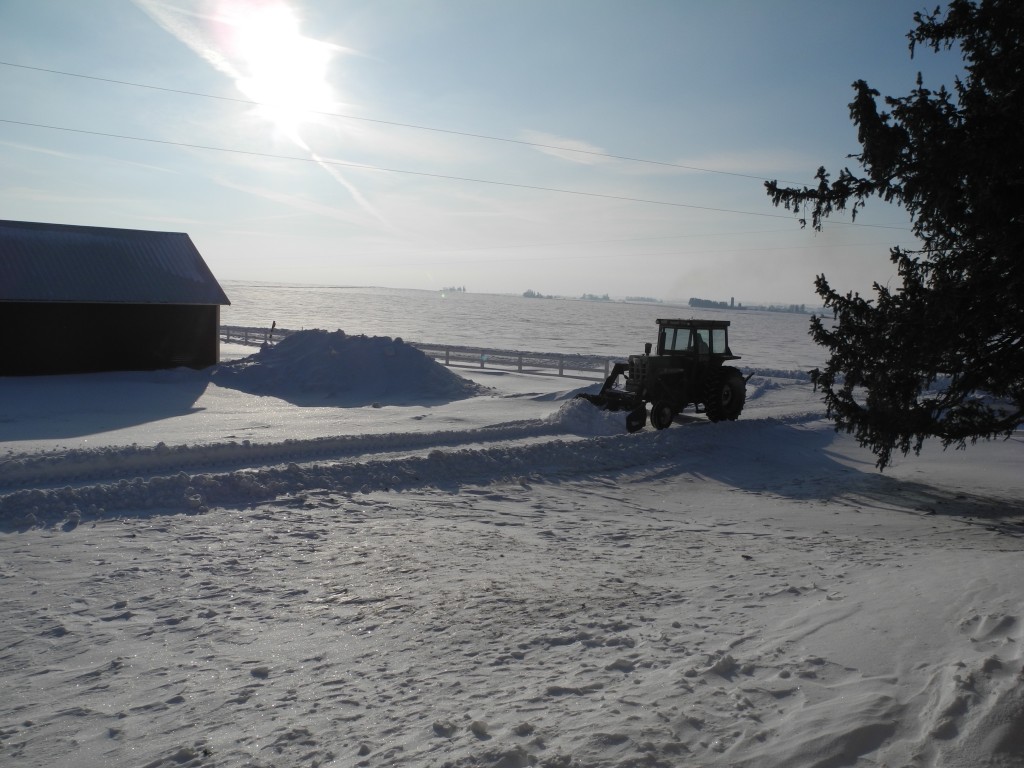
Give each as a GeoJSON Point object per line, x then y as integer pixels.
{"type": "Point", "coordinates": [195, 575]}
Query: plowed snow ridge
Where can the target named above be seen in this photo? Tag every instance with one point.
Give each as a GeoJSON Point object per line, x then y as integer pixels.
{"type": "Point", "coordinates": [156, 478]}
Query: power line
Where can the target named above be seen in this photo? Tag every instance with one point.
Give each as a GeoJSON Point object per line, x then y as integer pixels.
{"type": "Point", "coordinates": [618, 240]}
{"type": "Point", "coordinates": [615, 240]}
{"type": "Point", "coordinates": [591, 256]}
{"type": "Point", "coordinates": [467, 134]}
{"type": "Point", "coordinates": [688, 235]}
{"type": "Point", "coordinates": [321, 161]}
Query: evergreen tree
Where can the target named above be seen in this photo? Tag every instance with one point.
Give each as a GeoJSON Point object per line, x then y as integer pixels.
{"type": "Point", "coordinates": [942, 355]}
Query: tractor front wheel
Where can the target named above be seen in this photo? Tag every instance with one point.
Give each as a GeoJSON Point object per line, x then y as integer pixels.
{"type": "Point", "coordinates": [662, 414]}
{"type": "Point", "coordinates": [636, 419]}
{"type": "Point", "coordinates": [726, 394]}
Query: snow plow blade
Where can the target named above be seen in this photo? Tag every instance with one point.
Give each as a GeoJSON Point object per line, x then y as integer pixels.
{"type": "Point", "coordinates": [610, 398]}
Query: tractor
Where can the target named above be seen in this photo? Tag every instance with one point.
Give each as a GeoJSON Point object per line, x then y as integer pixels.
{"type": "Point", "coordinates": [688, 368]}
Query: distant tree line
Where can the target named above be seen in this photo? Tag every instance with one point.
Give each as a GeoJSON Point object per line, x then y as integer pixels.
{"type": "Point", "coordinates": [709, 304]}
{"type": "Point", "coordinates": [532, 294]}
{"type": "Point", "coordinates": [799, 309]}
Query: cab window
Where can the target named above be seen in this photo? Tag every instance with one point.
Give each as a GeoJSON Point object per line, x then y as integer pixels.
{"type": "Point", "coordinates": [682, 342]}
{"type": "Point", "coordinates": [675, 339]}
{"type": "Point", "coordinates": [718, 341]}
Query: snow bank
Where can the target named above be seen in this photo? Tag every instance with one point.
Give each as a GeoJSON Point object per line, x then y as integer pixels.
{"type": "Point", "coordinates": [532, 587]}
{"type": "Point", "coordinates": [580, 417]}
{"type": "Point", "coordinates": [309, 366]}
{"type": "Point", "coordinates": [526, 603]}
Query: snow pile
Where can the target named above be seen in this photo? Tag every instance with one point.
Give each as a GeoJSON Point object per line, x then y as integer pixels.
{"type": "Point", "coordinates": [308, 366]}
{"type": "Point", "coordinates": [580, 417]}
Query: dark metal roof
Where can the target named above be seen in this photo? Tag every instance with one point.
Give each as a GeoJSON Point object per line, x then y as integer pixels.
{"type": "Point", "coordinates": [61, 262]}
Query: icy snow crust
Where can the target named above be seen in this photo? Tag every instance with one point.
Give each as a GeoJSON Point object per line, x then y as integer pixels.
{"type": "Point", "coordinates": [506, 579]}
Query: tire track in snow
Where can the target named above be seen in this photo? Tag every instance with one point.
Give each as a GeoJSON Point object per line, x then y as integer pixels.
{"type": "Point", "coordinates": [183, 492]}
{"type": "Point", "coordinates": [78, 466]}
{"type": "Point", "coordinates": [578, 440]}
{"type": "Point", "coordinates": [93, 464]}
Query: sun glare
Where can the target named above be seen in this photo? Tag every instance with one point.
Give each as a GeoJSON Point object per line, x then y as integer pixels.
{"type": "Point", "coordinates": [278, 66]}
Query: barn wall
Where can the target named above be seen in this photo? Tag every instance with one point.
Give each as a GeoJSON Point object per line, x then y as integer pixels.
{"type": "Point", "coordinates": [55, 338]}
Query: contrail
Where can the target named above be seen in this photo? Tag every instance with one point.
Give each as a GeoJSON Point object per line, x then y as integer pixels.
{"type": "Point", "coordinates": [244, 40]}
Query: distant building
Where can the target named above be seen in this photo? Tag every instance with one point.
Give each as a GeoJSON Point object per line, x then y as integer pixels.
{"type": "Point", "coordinates": [81, 299]}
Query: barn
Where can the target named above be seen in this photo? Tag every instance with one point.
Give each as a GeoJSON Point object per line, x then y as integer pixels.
{"type": "Point", "coordinates": [79, 299]}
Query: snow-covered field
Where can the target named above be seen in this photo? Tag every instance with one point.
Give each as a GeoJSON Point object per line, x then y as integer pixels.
{"type": "Point", "coordinates": [195, 575]}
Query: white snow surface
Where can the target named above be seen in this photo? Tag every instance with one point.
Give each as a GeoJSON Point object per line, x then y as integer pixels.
{"type": "Point", "coordinates": [193, 575]}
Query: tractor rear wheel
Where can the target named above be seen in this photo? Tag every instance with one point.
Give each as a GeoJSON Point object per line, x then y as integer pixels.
{"type": "Point", "coordinates": [726, 394]}
{"type": "Point", "coordinates": [662, 414]}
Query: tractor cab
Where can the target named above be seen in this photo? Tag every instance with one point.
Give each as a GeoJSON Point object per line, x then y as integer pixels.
{"type": "Point", "coordinates": [695, 337]}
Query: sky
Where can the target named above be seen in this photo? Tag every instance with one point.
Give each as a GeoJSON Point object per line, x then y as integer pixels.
{"type": "Point", "coordinates": [561, 146]}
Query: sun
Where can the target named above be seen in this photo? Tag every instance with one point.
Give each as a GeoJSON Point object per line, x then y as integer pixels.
{"type": "Point", "coordinates": [277, 66]}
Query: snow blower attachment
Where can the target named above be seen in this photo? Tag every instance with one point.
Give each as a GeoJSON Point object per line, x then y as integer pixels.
{"type": "Point", "coordinates": [687, 369]}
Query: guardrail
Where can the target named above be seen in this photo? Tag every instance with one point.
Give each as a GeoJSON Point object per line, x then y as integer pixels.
{"type": "Point", "coordinates": [252, 337]}
{"type": "Point", "coordinates": [547, 363]}
{"type": "Point", "coordinates": [577, 366]}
